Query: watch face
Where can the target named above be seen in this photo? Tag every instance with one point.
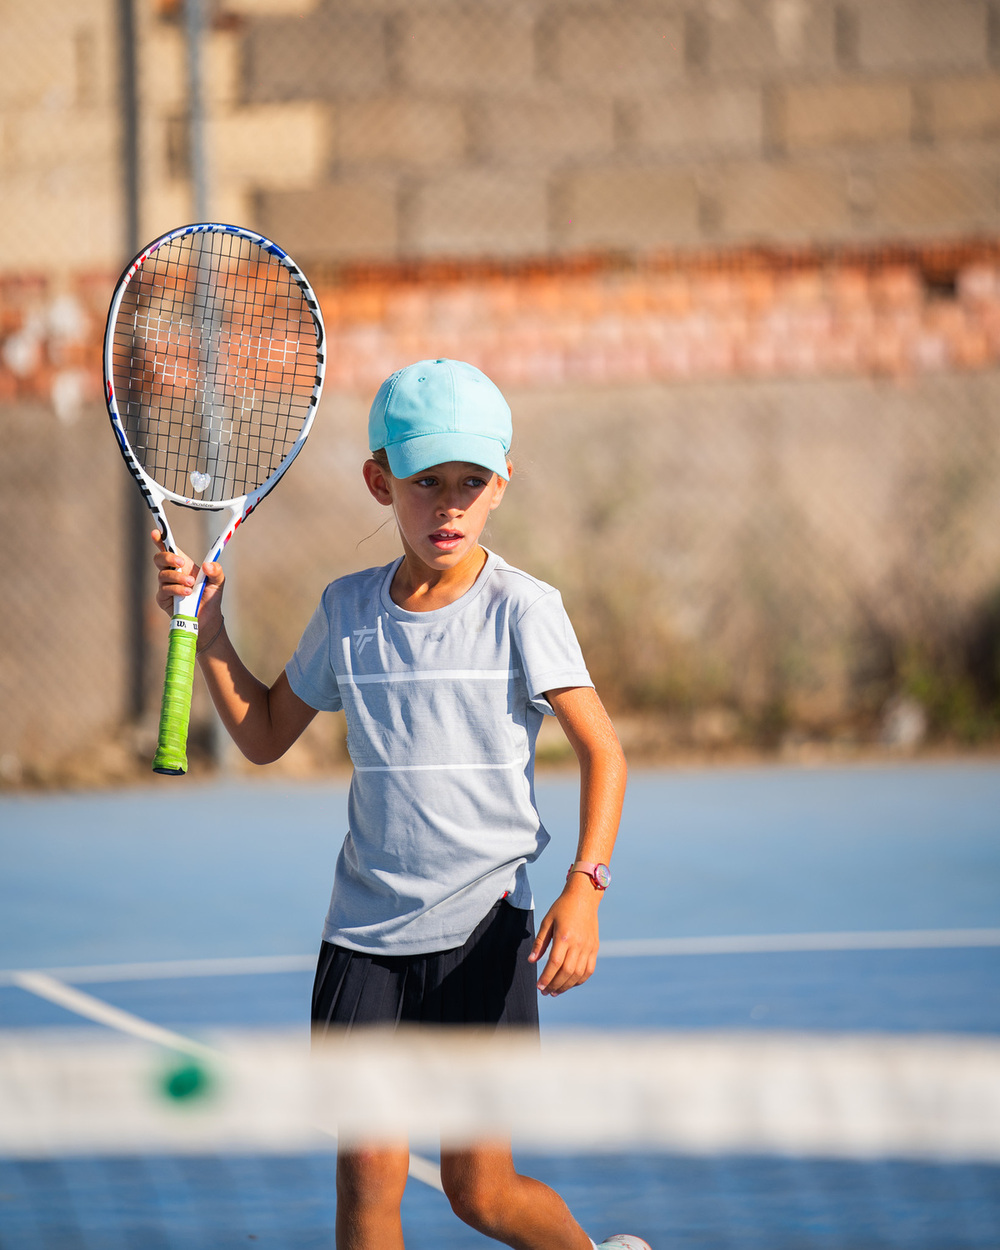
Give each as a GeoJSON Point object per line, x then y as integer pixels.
{"type": "Point", "coordinates": [602, 875]}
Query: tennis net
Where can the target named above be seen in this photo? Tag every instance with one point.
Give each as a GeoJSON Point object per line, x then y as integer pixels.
{"type": "Point", "coordinates": [853, 1142]}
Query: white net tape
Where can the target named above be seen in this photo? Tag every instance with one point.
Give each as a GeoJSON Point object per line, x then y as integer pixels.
{"type": "Point", "coordinates": [838, 1096]}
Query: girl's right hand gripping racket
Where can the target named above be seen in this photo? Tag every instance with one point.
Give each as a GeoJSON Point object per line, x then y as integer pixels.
{"type": "Point", "coordinates": [213, 367]}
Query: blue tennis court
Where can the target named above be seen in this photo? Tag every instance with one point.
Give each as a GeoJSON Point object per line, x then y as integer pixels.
{"type": "Point", "coordinates": [845, 900]}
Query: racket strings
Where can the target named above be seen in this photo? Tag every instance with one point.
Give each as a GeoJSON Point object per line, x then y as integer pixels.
{"type": "Point", "coordinates": [215, 360]}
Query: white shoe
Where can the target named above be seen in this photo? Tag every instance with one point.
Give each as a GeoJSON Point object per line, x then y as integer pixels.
{"type": "Point", "coordinates": [623, 1241]}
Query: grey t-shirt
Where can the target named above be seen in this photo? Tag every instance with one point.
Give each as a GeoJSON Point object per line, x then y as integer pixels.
{"type": "Point", "coordinates": [443, 709]}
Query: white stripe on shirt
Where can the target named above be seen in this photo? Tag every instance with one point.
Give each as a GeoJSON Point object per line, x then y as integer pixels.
{"type": "Point", "coordinates": [427, 768]}
{"type": "Point", "coordinates": [430, 674]}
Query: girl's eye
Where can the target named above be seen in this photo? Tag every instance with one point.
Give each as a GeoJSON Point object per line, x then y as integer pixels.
{"type": "Point", "coordinates": [426, 481]}
{"type": "Point", "coordinates": [477, 483]}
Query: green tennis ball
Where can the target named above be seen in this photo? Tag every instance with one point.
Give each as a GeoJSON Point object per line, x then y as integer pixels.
{"type": "Point", "coordinates": [188, 1080]}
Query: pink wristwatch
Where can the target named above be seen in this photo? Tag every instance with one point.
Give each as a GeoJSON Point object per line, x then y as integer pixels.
{"type": "Point", "coordinates": [599, 874]}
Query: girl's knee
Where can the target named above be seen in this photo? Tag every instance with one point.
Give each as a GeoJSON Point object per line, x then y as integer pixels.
{"type": "Point", "coordinates": [475, 1204]}
{"type": "Point", "coordinates": [371, 1177]}
{"type": "Point", "coordinates": [477, 1196]}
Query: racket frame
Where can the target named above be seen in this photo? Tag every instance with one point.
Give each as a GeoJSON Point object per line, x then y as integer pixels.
{"type": "Point", "coordinates": [184, 619]}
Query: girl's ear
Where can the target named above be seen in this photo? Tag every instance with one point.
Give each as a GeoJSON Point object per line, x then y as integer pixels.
{"type": "Point", "coordinates": [379, 482]}
{"type": "Point", "coordinates": [499, 486]}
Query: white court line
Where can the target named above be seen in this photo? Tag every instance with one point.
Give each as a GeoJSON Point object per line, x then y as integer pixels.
{"type": "Point", "coordinates": [170, 969]}
{"type": "Point", "coordinates": [765, 943]}
{"type": "Point", "coordinates": [46, 986]}
{"type": "Point", "coordinates": [746, 944]}
{"type": "Point", "coordinates": [81, 1004]}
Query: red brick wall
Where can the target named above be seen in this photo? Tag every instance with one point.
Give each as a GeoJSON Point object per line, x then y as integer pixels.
{"type": "Point", "coordinates": [742, 314]}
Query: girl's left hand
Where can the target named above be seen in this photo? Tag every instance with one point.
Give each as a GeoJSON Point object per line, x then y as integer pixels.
{"type": "Point", "coordinates": [570, 928]}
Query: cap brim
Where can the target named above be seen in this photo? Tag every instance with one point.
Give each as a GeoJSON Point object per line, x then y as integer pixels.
{"type": "Point", "coordinates": [414, 455]}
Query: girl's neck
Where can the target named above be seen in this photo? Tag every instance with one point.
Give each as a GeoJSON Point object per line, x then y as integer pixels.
{"type": "Point", "coordinates": [416, 587]}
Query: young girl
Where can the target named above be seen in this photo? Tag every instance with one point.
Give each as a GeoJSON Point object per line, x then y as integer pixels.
{"type": "Point", "coordinates": [444, 663]}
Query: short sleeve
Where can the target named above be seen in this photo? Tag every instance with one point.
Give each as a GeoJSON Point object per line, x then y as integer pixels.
{"type": "Point", "coordinates": [310, 671]}
{"type": "Point", "coordinates": [549, 650]}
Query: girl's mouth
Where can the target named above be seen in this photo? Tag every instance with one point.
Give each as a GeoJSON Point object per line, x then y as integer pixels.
{"type": "Point", "coordinates": [446, 540]}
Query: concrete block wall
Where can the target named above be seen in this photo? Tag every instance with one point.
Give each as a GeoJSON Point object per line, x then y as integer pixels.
{"type": "Point", "coordinates": [58, 135]}
{"type": "Point", "coordinates": [796, 544]}
{"type": "Point", "coordinates": [558, 126]}
{"type": "Point", "coordinates": [399, 129]}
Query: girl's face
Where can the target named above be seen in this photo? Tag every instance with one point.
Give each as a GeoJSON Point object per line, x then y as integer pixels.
{"type": "Point", "coordinates": [440, 512]}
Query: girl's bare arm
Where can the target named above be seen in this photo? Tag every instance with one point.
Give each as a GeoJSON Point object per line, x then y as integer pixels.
{"type": "Point", "coordinates": [570, 925]}
{"type": "Point", "coordinates": [262, 720]}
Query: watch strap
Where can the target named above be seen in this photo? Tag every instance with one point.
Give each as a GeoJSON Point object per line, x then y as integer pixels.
{"type": "Point", "coordinates": [599, 874]}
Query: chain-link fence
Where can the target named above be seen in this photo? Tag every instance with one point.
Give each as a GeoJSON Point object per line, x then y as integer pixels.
{"type": "Point", "coordinates": [735, 263]}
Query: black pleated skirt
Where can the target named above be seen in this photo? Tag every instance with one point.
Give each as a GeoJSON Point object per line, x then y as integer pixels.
{"type": "Point", "coordinates": [487, 981]}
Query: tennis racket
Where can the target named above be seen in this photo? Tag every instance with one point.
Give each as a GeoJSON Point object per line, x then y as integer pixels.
{"type": "Point", "coordinates": [213, 367]}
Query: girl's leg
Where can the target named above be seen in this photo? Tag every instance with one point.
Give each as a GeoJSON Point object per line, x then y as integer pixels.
{"type": "Point", "coordinates": [370, 1184]}
{"type": "Point", "coordinates": [485, 1191]}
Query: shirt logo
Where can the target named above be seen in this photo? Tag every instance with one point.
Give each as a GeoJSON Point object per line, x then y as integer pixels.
{"type": "Point", "coordinates": [362, 637]}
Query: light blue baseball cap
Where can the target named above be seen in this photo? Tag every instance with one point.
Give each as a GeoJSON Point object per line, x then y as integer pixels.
{"type": "Point", "coordinates": [440, 410]}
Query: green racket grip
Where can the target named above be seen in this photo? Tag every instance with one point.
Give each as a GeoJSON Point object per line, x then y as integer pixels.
{"type": "Point", "coordinates": [175, 710]}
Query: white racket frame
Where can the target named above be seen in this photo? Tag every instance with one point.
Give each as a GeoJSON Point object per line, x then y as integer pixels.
{"type": "Point", "coordinates": [237, 509]}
